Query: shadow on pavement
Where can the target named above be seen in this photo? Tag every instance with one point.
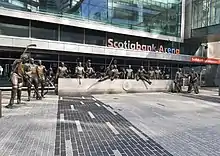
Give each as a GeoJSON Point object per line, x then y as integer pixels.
{"type": "Point", "coordinates": [202, 97]}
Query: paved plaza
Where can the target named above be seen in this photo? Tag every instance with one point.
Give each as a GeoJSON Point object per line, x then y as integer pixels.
{"type": "Point", "coordinates": [159, 124]}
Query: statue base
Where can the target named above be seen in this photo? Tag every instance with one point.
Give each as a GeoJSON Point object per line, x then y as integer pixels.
{"type": "Point", "coordinates": [73, 86]}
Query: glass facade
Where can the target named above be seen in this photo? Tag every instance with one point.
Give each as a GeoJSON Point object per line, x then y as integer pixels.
{"type": "Point", "coordinates": [155, 16]}
{"type": "Point", "coordinates": [41, 30]}
{"type": "Point", "coordinates": [205, 13]}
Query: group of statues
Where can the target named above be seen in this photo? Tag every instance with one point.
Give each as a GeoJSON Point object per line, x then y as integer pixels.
{"type": "Point", "coordinates": [26, 72]}
{"type": "Point", "coordinates": [111, 72]}
{"type": "Point", "coordinates": [191, 80]}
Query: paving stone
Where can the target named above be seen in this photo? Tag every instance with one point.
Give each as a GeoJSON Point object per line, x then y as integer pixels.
{"type": "Point", "coordinates": [107, 131]}
{"type": "Point", "coordinates": [30, 128]}
{"type": "Point", "coordinates": [185, 125]}
{"type": "Point", "coordinates": [49, 127]}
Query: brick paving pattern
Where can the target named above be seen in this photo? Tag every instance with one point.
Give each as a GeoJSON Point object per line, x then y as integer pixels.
{"type": "Point", "coordinates": [122, 124]}
{"type": "Point", "coordinates": [185, 126]}
{"type": "Point", "coordinates": [92, 130]}
{"type": "Point", "coordinates": [30, 128]}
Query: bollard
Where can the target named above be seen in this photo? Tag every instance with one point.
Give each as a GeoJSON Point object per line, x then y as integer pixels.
{"type": "Point", "coordinates": [0, 103]}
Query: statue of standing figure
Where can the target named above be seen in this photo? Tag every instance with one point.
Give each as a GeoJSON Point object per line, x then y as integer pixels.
{"type": "Point", "coordinates": [16, 78]}
{"type": "Point", "coordinates": [41, 71]}
{"type": "Point", "coordinates": [62, 71]}
{"type": "Point", "coordinates": [158, 73]}
{"type": "Point", "coordinates": [89, 73]}
{"type": "Point", "coordinates": [32, 78]}
{"type": "Point", "coordinates": [151, 73]}
{"type": "Point", "coordinates": [178, 80]}
{"type": "Point", "coordinates": [79, 71]}
{"type": "Point", "coordinates": [193, 82]}
{"type": "Point", "coordinates": [115, 72]}
{"type": "Point", "coordinates": [129, 73]}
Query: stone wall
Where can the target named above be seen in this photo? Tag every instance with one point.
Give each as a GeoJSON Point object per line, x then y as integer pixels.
{"type": "Point", "coordinates": [70, 86]}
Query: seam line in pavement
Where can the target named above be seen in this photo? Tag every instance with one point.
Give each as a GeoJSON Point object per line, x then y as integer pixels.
{"type": "Point", "coordinates": [112, 128]}
{"type": "Point", "coordinates": [91, 115]}
{"type": "Point", "coordinates": [110, 110]}
{"type": "Point", "coordinates": [78, 125]}
{"type": "Point", "coordinates": [72, 107]}
{"type": "Point", "coordinates": [69, 150]}
{"type": "Point", "coordinates": [97, 104]}
{"type": "Point", "coordinates": [138, 133]}
{"type": "Point", "coordinates": [61, 117]}
{"type": "Point", "coordinates": [117, 153]}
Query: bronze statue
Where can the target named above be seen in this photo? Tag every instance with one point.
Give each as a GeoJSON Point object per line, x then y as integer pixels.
{"type": "Point", "coordinates": [32, 78]}
{"type": "Point", "coordinates": [62, 71]}
{"type": "Point", "coordinates": [108, 74]}
{"type": "Point", "coordinates": [16, 79]}
{"type": "Point", "coordinates": [178, 80]}
{"type": "Point", "coordinates": [158, 73]}
{"type": "Point", "coordinates": [114, 72]}
{"type": "Point", "coordinates": [123, 74]}
{"type": "Point", "coordinates": [193, 82]}
{"type": "Point", "coordinates": [129, 73]}
{"type": "Point", "coordinates": [151, 73]}
{"type": "Point", "coordinates": [79, 71]}
{"type": "Point", "coordinates": [41, 71]}
{"type": "Point", "coordinates": [142, 74]}
{"type": "Point", "coordinates": [89, 73]}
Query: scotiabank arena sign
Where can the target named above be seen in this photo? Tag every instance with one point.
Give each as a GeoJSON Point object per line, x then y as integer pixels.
{"type": "Point", "coordinates": [144, 47]}
{"type": "Point", "coordinates": [197, 59]}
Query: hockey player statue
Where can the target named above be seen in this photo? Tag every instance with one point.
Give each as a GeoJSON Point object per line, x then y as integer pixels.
{"type": "Point", "coordinates": [16, 78]}
{"type": "Point", "coordinates": [31, 77]}
{"type": "Point", "coordinates": [142, 74]}
{"type": "Point", "coordinates": [41, 71]}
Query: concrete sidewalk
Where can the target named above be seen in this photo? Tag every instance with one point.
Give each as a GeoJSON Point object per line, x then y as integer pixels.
{"type": "Point", "coordinates": [30, 128]}
{"type": "Point", "coordinates": [150, 124]}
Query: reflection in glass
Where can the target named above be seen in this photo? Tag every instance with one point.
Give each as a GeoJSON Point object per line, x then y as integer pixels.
{"type": "Point", "coordinates": [71, 34]}
{"type": "Point", "coordinates": [44, 30]}
{"type": "Point", "coordinates": [205, 13]}
{"type": "Point", "coordinates": [13, 27]}
{"type": "Point", "coordinates": [156, 16]}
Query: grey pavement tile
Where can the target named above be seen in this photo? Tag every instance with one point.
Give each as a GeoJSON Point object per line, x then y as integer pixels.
{"type": "Point", "coordinates": [178, 126]}
{"type": "Point", "coordinates": [102, 135]}
{"type": "Point", "coordinates": [183, 126]}
{"type": "Point", "coordinates": [30, 128]}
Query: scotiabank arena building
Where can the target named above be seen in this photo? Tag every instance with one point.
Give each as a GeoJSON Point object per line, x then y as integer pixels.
{"type": "Point", "coordinates": [134, 32]}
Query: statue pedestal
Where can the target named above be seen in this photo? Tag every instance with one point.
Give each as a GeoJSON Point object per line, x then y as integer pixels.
{"type": "Point", "coordinates": [69, 86]}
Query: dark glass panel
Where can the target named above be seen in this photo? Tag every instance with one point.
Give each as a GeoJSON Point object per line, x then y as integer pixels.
{"type": "Point", "coordinates": [13, 26]}
{"type": "Point", "coordinates": [95, 37]}
{"type": "Point", "coordinates": [42, 30]}
{"type": "Point", "coordinates": [71, 34]}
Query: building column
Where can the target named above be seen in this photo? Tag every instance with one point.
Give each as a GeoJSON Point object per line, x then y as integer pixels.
{"type": "Point", "coordinates": [110, 10]}
{"type": "Point", "coordinates": [140, 13]}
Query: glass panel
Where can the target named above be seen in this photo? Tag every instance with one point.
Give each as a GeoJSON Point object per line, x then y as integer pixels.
{"type": "Point", "coordinates": [13, 27]}
{"type": "Point", "coordinates": [156, 16]}
{"type": "Point", "coordinates": [43, 30]}
{"type": "Point", "coordinates": [71, 34]}
{"type": "Point", "coordinates": [206, 13]}
{"type": "Point", "coordinates": [95, 37]}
